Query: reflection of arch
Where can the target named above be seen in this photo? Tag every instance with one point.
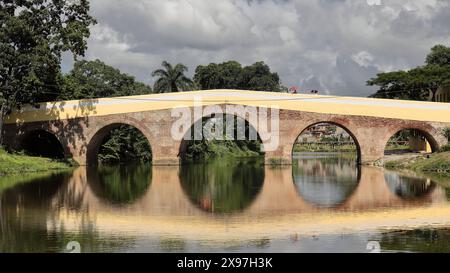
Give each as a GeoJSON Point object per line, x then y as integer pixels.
{"type": "Point", "coordinates": [184, 143]}
{"type": "Point", "coordinates": [42, 143]}
{"type": "Point", "coordinates": [97, 139]}
{"type": "Point", "coordinates": [354, 138]}
{"type": "Point", "coordinates": [120, 184]}
{"type": "Point", "coordinates": [409, 187]}
{"type": "Point", "coordinates": [223, 186]}
{"type": "Point", "coordinates": [326, 181]}
{"type": "Point", "coordinates": [425, 133]}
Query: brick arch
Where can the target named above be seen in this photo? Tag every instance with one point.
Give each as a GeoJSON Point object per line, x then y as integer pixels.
{"type": "Point", "coordinates": [21, 138]}
{"type": "Point", "coordinates": [99, 132]}
{"type": "Point", "coordinates": [432, 135]}
{"type": "Point", "coordinates": [337, 123]}
{"type": "Point", "coordinates": [182, 143]}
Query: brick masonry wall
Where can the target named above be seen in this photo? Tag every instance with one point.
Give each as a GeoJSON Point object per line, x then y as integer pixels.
{"type": "Point", "coordinates": [81, 138]}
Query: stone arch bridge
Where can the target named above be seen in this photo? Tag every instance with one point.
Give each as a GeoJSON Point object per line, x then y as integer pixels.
{"type": "Point", "coordinates": [81, 125]}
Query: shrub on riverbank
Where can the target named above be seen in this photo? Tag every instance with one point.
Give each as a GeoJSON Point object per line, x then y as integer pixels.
{"type": "Point", "coordinates": [445, 148]}
{"type": "Point", "coordinates": [435, 163]}
{"type": "Point", "coordinates": [17, 164]}
{"type": "Point", "coordinates": [200, 150]}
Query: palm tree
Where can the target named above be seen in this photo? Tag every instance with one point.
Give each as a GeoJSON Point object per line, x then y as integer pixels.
{"type": "Point", "coordinates": [171, 79]}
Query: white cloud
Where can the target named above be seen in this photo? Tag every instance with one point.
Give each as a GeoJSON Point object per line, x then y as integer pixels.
{"type": "Point", "coordinates": [334, 46]}
{"type": "Point", "coordinates": [363, 58]}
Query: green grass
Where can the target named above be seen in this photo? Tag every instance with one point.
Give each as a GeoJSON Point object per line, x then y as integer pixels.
{"type": "Point", "coordinates": [11, 164]}
{"type": "Point", "coordinates": [436, 163]}
{"type": "Point", "coordinates": [231, 150]}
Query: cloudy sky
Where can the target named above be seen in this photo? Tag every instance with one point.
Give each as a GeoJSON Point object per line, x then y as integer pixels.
{"type": "Point", "coordinates": [334, 46]}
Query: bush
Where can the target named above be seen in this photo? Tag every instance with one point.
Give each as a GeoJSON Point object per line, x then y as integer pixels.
{"type": "Point", "coordinates": [445, 148]}
{"type": "Point", "coordinates": [446, 132]}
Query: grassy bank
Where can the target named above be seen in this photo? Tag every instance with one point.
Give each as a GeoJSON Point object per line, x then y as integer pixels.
{"type": "Point", "coordinates": [438, 163]}
{"type": "Point", "coordinates": [19, 164]}
{"type": "Point", "coordinates": [325, 147]}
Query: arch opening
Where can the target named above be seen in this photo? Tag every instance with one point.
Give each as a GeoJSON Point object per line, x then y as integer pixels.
{"type": "Point", "coordinates": [118, 144]}
{"type": "Point", "coordinates": [325, 168]}
{"type": "Point", "coordinates": [409, 187]}
{"type": "Point", "coordinates": [410, 140]}
{"type": "Point", "coordinates": [220, 135]}
{"type": "Point", "coordinates": [42, 143]}
{"type": "Point", "coordinates": [327, 137]}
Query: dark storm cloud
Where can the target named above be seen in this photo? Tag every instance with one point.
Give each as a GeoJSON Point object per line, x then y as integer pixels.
{"type": "Point", "coordinates": [331, 45]}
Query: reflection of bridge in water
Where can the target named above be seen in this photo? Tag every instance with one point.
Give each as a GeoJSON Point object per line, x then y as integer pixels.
{"type": "Point", "coordinates": [278, 208]}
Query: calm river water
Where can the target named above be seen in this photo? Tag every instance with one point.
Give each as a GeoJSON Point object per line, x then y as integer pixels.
{"type": "Point", "coordinates": [323, 203]}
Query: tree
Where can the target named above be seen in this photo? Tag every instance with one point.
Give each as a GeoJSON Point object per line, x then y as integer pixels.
{"type": "Point", "coordinates": [392, 85]}
{"type": "Point", "coordinates": [439, 55]}
{"type": "Point", "coordinates": [259, 77]}
{"type": "Point", "coordinates": [95, 79]}
{"type": "Point", "coordinates": [124, 144]}
{"type": "Point", "coordinates": [172, 78]}
{"type": "Point", "coordinates": [226, 75]}
{"type": "Point", "coordinates": [33, 36]}
{"type": "Point", "coordinates": [231, 75]}
{"type": "Point", "coordinates": [427, 79]}
{"type": "Point", "coordinates": [417, 83]}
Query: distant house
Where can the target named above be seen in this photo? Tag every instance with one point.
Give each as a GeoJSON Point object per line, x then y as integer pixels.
{"type": "Point", "coordinates": [443, 94]}
{"type": "Point", "coordinates": [317, 132]}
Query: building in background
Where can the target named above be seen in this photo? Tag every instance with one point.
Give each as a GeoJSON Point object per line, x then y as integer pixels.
{"type": "Point", "coordinates": [319, 132]}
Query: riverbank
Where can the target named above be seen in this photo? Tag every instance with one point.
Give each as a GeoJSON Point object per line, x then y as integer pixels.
{"type": "Point", "coordinates": [11, 164]}
{"type": "Point", "coordinates": [438, 163]}
{"type": "Point", "coordinates": [326, 147]}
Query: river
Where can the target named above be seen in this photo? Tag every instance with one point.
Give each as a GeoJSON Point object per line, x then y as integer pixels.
{"type": "Point", "coordinates": [322, 203]}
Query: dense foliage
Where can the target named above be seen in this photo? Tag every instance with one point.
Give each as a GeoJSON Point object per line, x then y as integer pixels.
{"type": "Point", "coordinates": [231, 75]}
{"type": "Point", "coordinates": [95, 79]}
{"type": "Point", "coordinates": [125, 144]}
{"type": "Point", "coordinates": [33, 36]}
